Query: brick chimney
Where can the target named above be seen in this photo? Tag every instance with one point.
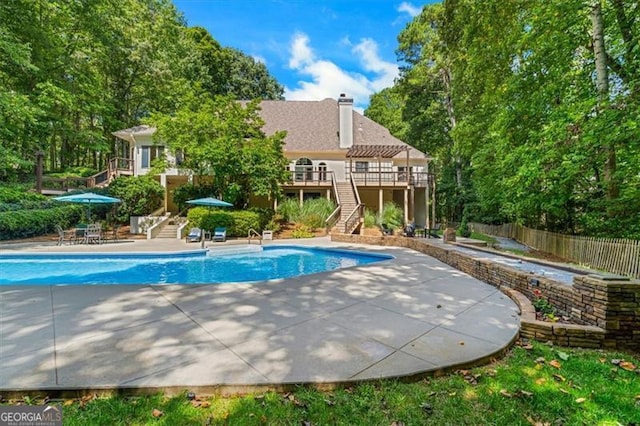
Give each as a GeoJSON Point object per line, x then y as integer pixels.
{"type": "Point", "coordinates": [345, 111]}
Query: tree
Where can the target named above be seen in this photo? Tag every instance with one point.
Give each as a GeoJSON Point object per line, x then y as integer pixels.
{"type": "Point", "coordinates": [230, 72]}
{"type": "Point", "coordinates": [530, 107]}
{"type": "Point", "coordinates": [223, 138]}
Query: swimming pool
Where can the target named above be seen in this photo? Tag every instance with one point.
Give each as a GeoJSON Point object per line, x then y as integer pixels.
{"type": "Point", "coordinates": [252, 263]}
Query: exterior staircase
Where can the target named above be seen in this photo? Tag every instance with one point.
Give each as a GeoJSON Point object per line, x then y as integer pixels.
{"type": "Point", "coordinates": [348, 203]}
{"type": "Point", "coordinates": [168, 232]}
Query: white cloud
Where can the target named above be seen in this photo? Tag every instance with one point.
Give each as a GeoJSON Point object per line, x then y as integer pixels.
{"type": "Point", "coordinates": [301, 54]}
{"type": "Point", "coordinates": [326, 79]}
{"type": "Point", "coordinates": [409, 9]}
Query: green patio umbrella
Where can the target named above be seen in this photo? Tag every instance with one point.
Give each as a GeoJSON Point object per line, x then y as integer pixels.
{"type": "Point", "coordinates": [88, 198]}
{"type": "Point", "coordinates": [209, 202]}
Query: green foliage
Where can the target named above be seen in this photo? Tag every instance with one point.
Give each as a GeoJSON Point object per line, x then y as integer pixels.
{"type": "Point", "coordinates": [527, 136]}
{"type": "Point", "coordinates": [224, 140]}
{"type": "Point", "coordinates": [370, 219]}
{"type": "Point", "coordinates": [187, 192]}
{"type": "Point", "coordinates": [31, 223]}
{"type": "Point", "coordinates": [392, 215]}
{"type": "Point", "coordinates": [140, 196]}
{"type": "Point", "coordinates": [218, 218]}
{"type": "Point", "coordinates": [243, 221]}
{"type": "Point", "coordinates": [313, 213]}
{"type": "Point", "coordinates": [237, 222]}
{"type": "Point", "coordinates": [519, 390]}
{"type": "Point", "coordinates": [464, 227]}
{"type": "Point", "coordinates": [302, 231]}
{"type": "Point", "coordinates": [16, 194]}
{"type": "Point", "coordinates": [71, 73]}
{"type": "Point", "coordinates": [542, 305]}
{"type": "Point", "coordinates": [195, 215]}
{"type": "Point", "coordinates": [290, 209]}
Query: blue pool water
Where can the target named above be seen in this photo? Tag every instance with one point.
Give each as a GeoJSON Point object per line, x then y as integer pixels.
{"type": "Point", "coordinates": [198, 267]}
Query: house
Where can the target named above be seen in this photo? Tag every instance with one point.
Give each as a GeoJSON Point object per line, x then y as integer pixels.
{"type": "Point", "coordinates": [333, 152]}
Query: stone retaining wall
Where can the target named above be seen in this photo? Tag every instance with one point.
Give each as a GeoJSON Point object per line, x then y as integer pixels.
{"type": "Point", "coordinates": [607, 310]}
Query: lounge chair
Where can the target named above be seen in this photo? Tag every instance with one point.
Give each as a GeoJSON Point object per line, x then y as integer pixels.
{"type": "Point", "coordinates": [195, 234]}
{"type": "Point", "coordinates": [386, 230]}
{"type": "Point", "coordinates": [220, 234]}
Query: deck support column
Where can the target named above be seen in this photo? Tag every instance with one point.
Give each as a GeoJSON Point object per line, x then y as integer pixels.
{"type": "Point", "coordinates": [301, 196]}
{"type": "Point", "coordinates": [380, 201]}
{"type": "Point", "coordinates": [406, 205]}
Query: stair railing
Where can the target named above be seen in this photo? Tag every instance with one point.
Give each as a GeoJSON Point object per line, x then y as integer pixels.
{"type": "Point", "coordinates": [355, 217]}
{"type": "Point", "coordinates": [333, 218]}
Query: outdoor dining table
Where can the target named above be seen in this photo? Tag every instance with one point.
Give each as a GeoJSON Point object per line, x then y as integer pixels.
{"type": "Point", "coordinates": [88, 234]}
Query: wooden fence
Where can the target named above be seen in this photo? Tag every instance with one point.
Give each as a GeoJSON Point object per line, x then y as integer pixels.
{"type": "Point", "coordinates": [614, 255]}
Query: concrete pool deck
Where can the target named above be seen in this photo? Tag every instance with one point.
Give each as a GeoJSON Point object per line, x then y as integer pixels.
{"type": "Point", "coordinates": [409, 316]}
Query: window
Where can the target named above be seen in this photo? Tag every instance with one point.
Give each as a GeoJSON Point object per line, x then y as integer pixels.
{"type": "Point", "coordinates": [322, 172]}
{"type": "Point", "coordinates": [362, 166]}
{"type": "Point", "coordinates": [304, 169]}
{"type": "Point", "coordinates": [150, 153]}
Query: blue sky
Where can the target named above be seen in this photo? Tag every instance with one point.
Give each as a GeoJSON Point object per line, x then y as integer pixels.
{"type": "Point", "coordinates": [315, 49]}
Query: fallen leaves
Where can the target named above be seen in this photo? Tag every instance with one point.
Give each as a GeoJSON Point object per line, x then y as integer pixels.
{"type": "Point", "coordinates": [537, 423]}
{"type": "Point", "coordinates": [555, 363]}
{"type": "Point", "coordinates": [580, 400]}
{"type": "Point", "coordinates": [157, 413]}
{"type": "Point", "coordinates": [626, 365]}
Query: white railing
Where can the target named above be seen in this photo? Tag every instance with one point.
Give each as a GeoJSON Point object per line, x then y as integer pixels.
{"type": "Point", "coordinates": [253, 233]}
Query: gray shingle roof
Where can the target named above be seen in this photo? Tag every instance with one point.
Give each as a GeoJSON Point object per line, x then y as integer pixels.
{"type": "Point", "coordinates": [313, 126]}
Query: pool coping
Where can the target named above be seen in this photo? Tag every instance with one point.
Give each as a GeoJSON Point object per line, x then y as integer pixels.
{"type": "Point", "coordinates": [437, 341]}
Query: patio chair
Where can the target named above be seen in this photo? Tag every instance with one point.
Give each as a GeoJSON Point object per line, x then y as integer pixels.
{"type": "Point", "coordinates": [194, 235]}
{"type": "Point", "coordinates": [65, 236]}
{"type": "Point", "coordinates": [409, 230]}
{"type": "Point", "coordinates": [431, 232]}
{"type": "Point", "coordinates": [220, 234]}
{"type": "Point", "coordinates": [93, 234]}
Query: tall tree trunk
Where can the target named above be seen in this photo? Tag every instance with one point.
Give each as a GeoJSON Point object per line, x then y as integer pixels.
{"type": "Point", "coordinates": [446, 80]}
{"type": "Point", "coordinates": [602, 85]}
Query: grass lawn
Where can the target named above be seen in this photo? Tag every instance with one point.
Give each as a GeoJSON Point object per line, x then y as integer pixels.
{"type": "Point", "coordinates": [534, 385]}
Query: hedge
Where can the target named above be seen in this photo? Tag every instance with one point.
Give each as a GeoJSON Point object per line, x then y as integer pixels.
{"type": "Point", "coordinates": [237, 223]}
{"type": "Point", "coordinates": [31, 223]}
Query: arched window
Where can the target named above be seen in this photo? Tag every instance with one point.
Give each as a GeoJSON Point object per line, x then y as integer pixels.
{"type": "Point", "coordinates": [304, 169]}
{"type": "Point", "coordinates": [322, 172]}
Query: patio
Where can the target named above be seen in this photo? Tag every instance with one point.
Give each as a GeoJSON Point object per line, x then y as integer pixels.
{"type": "Point", "coordinates": [407, 317]}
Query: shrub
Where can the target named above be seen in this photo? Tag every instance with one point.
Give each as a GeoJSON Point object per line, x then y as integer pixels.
{"type": "Point", "coordinates": [312, 213]}
{"type": "Point", "coordinates": [301, 231]}
{"type": "Point", "coordinates": [187, 192]}
{"type": "Point", "coordinates": [237, 223]}
{"type": "Point", "coordinates": [464, 226]}
{"type": "Point", "coordinates": [370, 219]}
{"type": "Point", "coordinates": [216, 218]}
{"type": "Point", "coordinates": [265, 214]}
{"type": "Point", "coordinates": [243, 221]}
{"type": "Point", "coordinates": [140, 196]}
{"type": "Point", "coordinates": [31, 223]}
{"type": "Point", "coordinates": [290, 209]}
{"type": "Point", "coordinates": [17, 194]}
{"type": "Point", "coordinates": [392, 215]}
